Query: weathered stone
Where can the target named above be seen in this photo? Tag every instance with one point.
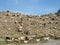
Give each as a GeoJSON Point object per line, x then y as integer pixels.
{"type": "Point", "coordinates": [25, 41]}
{"type": "Point", "coordinates": [16, 39]}
{"type": "Point", "coordinates": [9, 28]}
{"type": "Point", "coordinates": [46, 38]}
{"type": "Point", "coordinates": [5, 20]}
{"type": "Point", "coordinates": [30, 38]}
{"type": "Point", "coordinates": [22, 37]}
{"type": "Point", "coordinates": [12, 17]}
{"type": "Point", "coordinates": [16, 21]}
{"type": "Point", "coordinates": [54, 27]}
{"type": "Point", "coordinates": [20, 27]}
{"type": "Point", "coordinates": [58, 28]}
{"type": "Point", "coordinates": [33, 36]}
{"type": "Point", "coordinates": [19, 30]}
{"type": "Point", "coordinates": [37, 39]}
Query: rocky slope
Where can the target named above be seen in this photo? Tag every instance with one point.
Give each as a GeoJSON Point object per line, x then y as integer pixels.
{"type": "Point", "coordinates": [17, 25]}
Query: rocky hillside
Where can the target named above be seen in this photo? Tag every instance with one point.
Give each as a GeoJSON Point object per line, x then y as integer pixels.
{"type": "Point", "coordinates": [17, 25]}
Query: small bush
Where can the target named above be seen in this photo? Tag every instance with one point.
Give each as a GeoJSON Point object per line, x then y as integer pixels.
{"type": "Point", "coordinates": [7, 14]}
{"type": "Point", "coordinates": [7, 10]}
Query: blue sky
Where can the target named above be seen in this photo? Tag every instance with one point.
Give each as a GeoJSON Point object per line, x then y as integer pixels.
{"type": "Point", "coordinates": [30, 6]}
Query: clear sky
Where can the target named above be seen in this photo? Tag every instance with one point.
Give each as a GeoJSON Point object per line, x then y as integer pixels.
{"type": "Point", "coordinates": [30, 6]}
